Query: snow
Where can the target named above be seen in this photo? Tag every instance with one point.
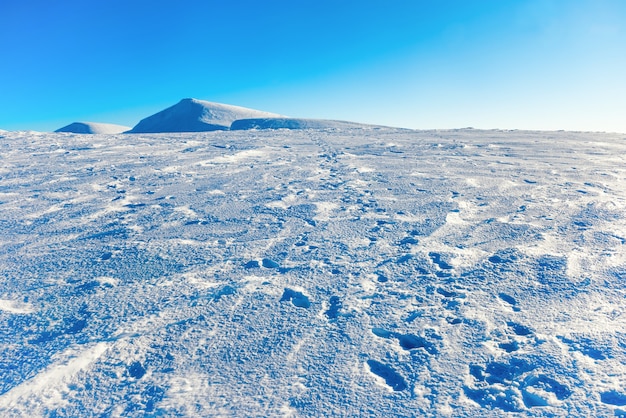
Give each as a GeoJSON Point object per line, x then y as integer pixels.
{"type": "Point", "coordinates": [292, 123]}
{"type": "Point", "coordinates": [93, 128]}
{"type": "Point", "coordinates": [313, 272]}
{"type": "Point", "coordinates": [193, 115]}
{"type": "Point", "coordinates": [14, 306]}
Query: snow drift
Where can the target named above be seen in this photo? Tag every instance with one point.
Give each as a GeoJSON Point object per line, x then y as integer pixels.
{"type": "Point", "coordinates": [193, 115]}
{"type": "Point", "coordinates": [93, 128]}
{"type": "Point", "coordinates": [292, 123]}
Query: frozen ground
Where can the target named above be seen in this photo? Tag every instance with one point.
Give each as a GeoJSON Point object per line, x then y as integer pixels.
{"type": "Point", "coordinates": [354, 272]}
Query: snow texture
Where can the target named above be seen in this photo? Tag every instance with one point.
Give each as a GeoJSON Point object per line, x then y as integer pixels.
{"type": "Point", "coordinates": [93, 128]}
{"type": "Point", "coordinates": [192, 115]}
{"type": "Point", "coordinates": [352, 272]}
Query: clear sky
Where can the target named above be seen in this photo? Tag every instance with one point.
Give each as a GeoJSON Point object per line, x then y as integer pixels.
{"type": "Point", "coordinates": [533, 64]}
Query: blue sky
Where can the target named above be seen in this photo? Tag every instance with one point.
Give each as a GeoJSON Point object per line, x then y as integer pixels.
{"type": "Point", "coordinates": [535, 64]}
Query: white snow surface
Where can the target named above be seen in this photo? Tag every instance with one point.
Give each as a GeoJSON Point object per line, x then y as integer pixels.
{"type": "Point", "coordinates": [93, 128]}
{"type": "Point", "coordinates": [193, 115]}
{"type": "Point", "coordinates": [354, 272]}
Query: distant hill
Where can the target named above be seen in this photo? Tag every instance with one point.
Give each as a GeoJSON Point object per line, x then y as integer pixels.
{"type": "Point", "coordinates": [93, 128]}
{"type": "Point", "coordinates": [193, 115]}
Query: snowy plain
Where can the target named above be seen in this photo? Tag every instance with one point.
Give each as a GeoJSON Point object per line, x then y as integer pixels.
{"type": "Point", "coordinates": [329, 272]}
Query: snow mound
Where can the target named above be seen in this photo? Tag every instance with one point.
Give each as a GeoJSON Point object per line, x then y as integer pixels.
{"type": "Point", "coordinates": [292, 123]}
{"type": "Point", "coordinates": [93, 128]}
{"type": "Point", "coordinates": [192, 115]}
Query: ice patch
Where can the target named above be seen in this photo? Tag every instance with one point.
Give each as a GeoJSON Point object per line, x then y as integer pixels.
{"type": "Point", "coordinates": [239, 156]}
{"type": "Point", "coordinates": [190, 213]}
{"type": "Point", "coordinates": [16, 307]}
{"type": "Point", "coordinates": [199, 281]}
{"type": "Point", "coordinates": [107, 281]}
{"type": "Point", "coordinates": [324, 210]}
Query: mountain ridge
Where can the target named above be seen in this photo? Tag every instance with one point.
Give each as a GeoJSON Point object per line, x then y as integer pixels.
{"type": "Point", "coordinates": [194, 115]}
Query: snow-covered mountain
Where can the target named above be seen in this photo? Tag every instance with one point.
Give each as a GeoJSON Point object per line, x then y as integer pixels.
{"type": "Point", "coordinates": [318, 272]}
{"type": "Point", "coordinates": [193, 115]}
{"type": "Point", "coordinates": [93, 128]}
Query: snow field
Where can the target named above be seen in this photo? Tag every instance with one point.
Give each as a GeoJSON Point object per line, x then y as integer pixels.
{"type": "Point", "coordinates": [328, 272]}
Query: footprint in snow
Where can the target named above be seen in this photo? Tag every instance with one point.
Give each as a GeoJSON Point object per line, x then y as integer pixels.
{"type": "Point", "coordinates": [298, 299]}
{"type": "Point", "coordinates": [408, 342]}
{"type": "Point", "coordinates": [392, 378]}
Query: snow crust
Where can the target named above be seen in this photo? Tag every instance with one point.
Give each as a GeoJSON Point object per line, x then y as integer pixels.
{"type": "Point", "coordinates": [193, 115]}
{"type": "Point", "coordinates": [316, 272]}
{"type": "Point", "coordinates": [93, 128]}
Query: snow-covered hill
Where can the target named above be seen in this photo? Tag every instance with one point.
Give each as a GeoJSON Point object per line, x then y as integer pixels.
{"type": "Point", "coordinates": [192, 115]}
{"type": "Point", "coordinates": [357, 272]}
{"type": "Point", "coordinates": [93, 128]}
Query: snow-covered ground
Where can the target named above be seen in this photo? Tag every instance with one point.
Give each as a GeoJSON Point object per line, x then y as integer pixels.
{"type": "Point", "coordinates": [346, 272]}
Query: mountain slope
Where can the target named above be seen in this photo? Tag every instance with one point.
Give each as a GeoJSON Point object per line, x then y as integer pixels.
{"type": "Point", "coordinates": [293, 123]}
{"type": "Point", "coordinates": [93, 128]}
{"type": "Point", "coordinates": [192, 115]}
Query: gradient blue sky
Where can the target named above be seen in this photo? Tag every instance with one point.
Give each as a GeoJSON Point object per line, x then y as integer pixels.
{"type": "Point", "coordinates": [534, 64]}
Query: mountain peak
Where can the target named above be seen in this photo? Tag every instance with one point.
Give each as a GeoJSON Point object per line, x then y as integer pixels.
{"type": "Point", "coordinates": [194, 115]}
